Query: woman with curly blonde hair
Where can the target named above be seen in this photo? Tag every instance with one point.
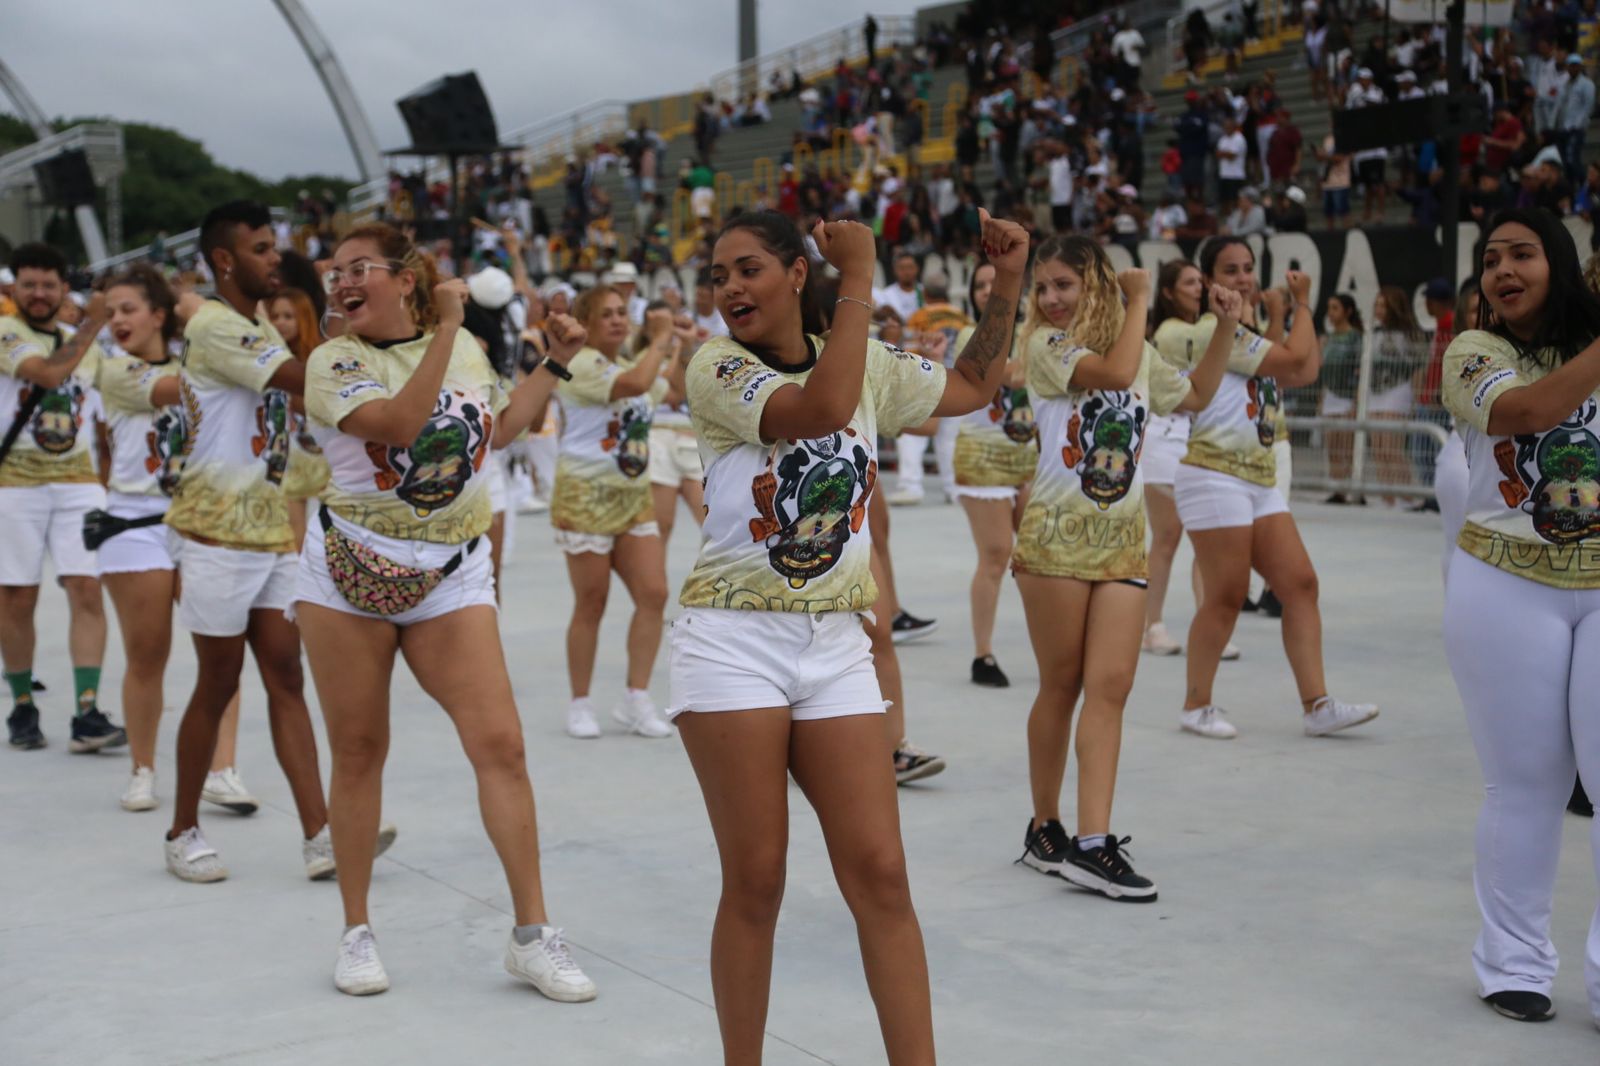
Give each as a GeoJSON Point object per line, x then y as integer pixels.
{"type": "Point", "coordinates": [1080, 561]}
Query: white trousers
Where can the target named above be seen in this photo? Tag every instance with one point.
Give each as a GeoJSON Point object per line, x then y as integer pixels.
{"type": "Point", "coordinates": [1526, 659]}
{"type": "Point", "coordinates": [910, 450]}
{"type": "Point", "coordinates": [1450, 488]}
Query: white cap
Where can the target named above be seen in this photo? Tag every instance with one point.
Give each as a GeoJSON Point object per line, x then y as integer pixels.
{"type": "Point", "coordinates": [6, 277]}
{"type": "Point", "coordinates": [490, 288]}
{"type": "Point", "coordinates": [1295, 193]}
{"type": "Point", "coordinates": [78, 298]}
{"type": "Point", "coordinates": [623, 274]}
{"type": "Point", "coordinates": [1364, 72]}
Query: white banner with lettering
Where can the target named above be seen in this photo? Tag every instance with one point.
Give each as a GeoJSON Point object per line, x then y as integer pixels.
{"type": "Point", "coordinates": [1478, 12]}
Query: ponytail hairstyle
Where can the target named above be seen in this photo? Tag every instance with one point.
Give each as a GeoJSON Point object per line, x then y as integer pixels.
{"type": "Point", "coordinates": [1352, 313]}
{"type": "Point", "coordinates": [148, 279]}
{"type": "Point", "coordinates": [308, 334]}
{"type": "Point", "coordinates": [1570, 318]}
{"type": "Point", "coordinates": [781, 238]}
{"type": "Point", "coordinates": [403, 254]}
{"type": "Point", "coordinates": [1167, 278]}
{"type": "Point", "coordinates": [1099, 315]}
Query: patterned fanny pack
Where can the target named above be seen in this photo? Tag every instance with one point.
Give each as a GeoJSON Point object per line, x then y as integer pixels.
{"type": "Point", "coordinates": [372, 582]}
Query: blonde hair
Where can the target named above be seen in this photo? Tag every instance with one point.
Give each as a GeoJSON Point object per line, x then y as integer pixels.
{"type": "Point", "coordinates": [590, 301]}
{"type": "Point", "coordinates": [1098, 319]}
{"type": "Point", "coordinates": [405, 255]}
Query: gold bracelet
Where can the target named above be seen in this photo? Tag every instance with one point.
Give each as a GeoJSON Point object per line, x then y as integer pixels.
{"type": "Point", "coordinates": [852, 300]}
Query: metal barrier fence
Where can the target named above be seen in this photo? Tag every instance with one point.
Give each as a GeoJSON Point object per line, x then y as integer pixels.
{"type": "Point", "coordinates": [1372, 425]}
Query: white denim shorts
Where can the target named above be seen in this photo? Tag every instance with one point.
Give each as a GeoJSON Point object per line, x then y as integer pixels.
{"type": "Point", "coordinates": [46, 518]}
{"type": "Point", "coordinates": [136, 550]}
{"type": "Point", "coordinates": [221, 586]}
{"type": "Point", "coordinates": [575, 543]}
{"type": "Point", "coordinates": [817, 665]}
{"type": "Point", "coordinates": [470, 585]}
{"type": "Point", "coordinates": [984, 492]}
{"type": "Point", "coordinates": [1161, 457]}
{"type": "Point", "coordinates": [1210, 499]}
{"type": "Point", "coordinates": [674, 457]}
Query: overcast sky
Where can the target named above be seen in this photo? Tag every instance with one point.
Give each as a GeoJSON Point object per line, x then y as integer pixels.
{"type": "Point", "coordinates": [230, 73]}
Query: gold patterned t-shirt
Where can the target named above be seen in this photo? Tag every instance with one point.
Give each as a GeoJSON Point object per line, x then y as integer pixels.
{"type": "Point", "coordinates": [55, 447]}
{"type": "Point", "coordinates": [1235, 433]}
{"type": "Point", "coordinates": [436, 490]}
{"type": "Point", "coordinates": [146, 441]}
{"type": "Point", "coordinates": [786, 521]}
{"type": "Point", "coordinates": [1533, 500]}
{"type": "Point", "coordinates": [997, 445]}
{"type": "Point", "coordinates": [236, 444]}
{"type": "Point", "coordinates": [601, 483]}
{"type": "Point", "coordinates": [1085, 517]}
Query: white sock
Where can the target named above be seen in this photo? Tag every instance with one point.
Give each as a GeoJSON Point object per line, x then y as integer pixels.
{"type": "Point", "coordinates": [1091, 840]}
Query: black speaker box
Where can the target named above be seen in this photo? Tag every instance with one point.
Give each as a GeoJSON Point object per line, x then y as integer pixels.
{"type": "Point", "coordinates": [450, 116]}
{"type": "Point", "coordinates": [65, 180]}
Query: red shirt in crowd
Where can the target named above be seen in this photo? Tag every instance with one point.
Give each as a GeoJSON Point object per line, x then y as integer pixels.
{"type": "Point", "coordinates": [1281, 150]}
{"type": "Point", "coordinates": [1444, 331]}
{"type": "Point", "coordinates": [1495, 157]}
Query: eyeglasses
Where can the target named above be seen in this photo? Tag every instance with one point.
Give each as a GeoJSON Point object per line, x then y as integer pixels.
{"type": "Point", "coordinates": [355, 275]}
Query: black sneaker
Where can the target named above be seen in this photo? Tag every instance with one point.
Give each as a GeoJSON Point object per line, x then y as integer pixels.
{"type": "Point", "coordinates": [1249, 606]}
{"type": "Point", "coordinates": [93, 731]}
{"type": "Point", "coordinates": [1269, 604]}
{"type": "Point", "coordinates": [1338, 498]}
{"type": "Point", "coordinates": [911, 763]}
{"type": "Point", "coordinates": [908, 627]}
{"type": "Point", "coordinates": [38, 686]}
{"type": "Point", "coordinates": [1579, 803]}
{"type": "Point", "coordinates": [987, 672]}
{"type": "Point", "coordinates": [23, 722]}
{"type": "Point", "coordinates": [1106, 870]}
{"type": "Point", "coordinates": [1521, 1006]}
{"type": "Point", "coordinates": [1047, 848]}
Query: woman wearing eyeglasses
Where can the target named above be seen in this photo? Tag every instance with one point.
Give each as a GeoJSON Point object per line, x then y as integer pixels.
{"type": "Point", "coordinates": [406, 409]}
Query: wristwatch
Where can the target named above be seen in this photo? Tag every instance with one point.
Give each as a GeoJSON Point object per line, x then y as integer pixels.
{"type": "Point", "coordinates": [555, 368]}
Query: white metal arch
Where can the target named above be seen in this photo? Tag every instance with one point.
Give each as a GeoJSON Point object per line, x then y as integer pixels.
{"type": "Point", "coordinates": [357, 130]}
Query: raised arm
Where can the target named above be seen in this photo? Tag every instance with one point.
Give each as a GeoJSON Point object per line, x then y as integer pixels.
{"type": "Point", "coordinates": [1118, 368]}
{"type": "Point", "coordinates": [528, 401]}
{"type": "Point", "coordinates": [51, 371]}
{"type": "Point", "coordinates": [980, 369]}
{"type": "Point", "coordinates": [830, 396]}
{"type": "Point", "coordinates": [641, 377]}
{"type": "Point", "coordinates": [396, 420]}
{"type": "Point", "coordinates": [1207, 373]}
{"type": "Point", "coordinates": [1546, 403]}
{"type": "Point", "coordinates": [1296, 360]}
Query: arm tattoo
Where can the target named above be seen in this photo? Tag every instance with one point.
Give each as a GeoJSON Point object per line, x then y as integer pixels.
{"type": "Point", "coordinates": [74, 348]}
{"type": "Point", "coordinates": [992, 339]}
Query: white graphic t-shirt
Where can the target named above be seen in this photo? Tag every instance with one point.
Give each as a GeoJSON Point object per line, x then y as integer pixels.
{"type": "Point", "coordinates": [236, 447]}
{"type": "Point", "coordinates": [1533, 500]}
{"type": "Point", "coordinates": [55, 447]}
{"type": "Point", "coordinates": [435, 490]}
{"type": "Point", "coordinates": [146, 441]}
{"type": "Point", "coordinates": [1085, 518]}
{"type": "Point", "coordinates": [601, 483]}
{"type": "Point", "coordinates": [1235, 433]}
{"type": "Point", "coordinates": [997, 445]}
{"type": "Point", "coordinates": [786, 521]}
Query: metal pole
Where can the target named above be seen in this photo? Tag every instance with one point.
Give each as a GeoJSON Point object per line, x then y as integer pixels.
{"type": "Point", "coordinates": [747, 47]}
{"type": "Point", "coordinates": [1450, 205]}
{"type": "Point", "coordinates": [1358, 452]}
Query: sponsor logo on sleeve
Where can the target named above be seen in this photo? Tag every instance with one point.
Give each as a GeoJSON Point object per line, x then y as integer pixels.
{"type": "Point", "coordinates": [357, 389]}
{"type": "Point", "coordinates": [1487, 385]}
{"type": "Point", "coordinates": [268, 355]}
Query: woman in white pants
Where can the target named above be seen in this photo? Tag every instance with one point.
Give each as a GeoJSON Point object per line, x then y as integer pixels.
{"type": "Point", "coordinates": [1522, 596]}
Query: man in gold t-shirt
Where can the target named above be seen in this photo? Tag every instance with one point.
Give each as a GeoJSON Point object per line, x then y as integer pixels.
{"type": "Point", "coordinates": [237, 562]}
{"type": "Point", "coordinates": [47, 485]}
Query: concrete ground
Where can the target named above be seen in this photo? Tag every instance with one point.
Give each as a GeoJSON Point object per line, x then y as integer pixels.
{"type": "Point", "coordinates": [1316, 902]}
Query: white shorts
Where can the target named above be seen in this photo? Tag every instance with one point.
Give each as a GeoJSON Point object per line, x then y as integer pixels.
{"type": "Point", "coordinates": [817, 665]}
{"type": "Point", "coordinates": [497, 483]}
{"type": "Point", "coordinates": [46, 518]}
{"type": "Point", "coordinates": [136, 550]}
{"type": "Point", "coordinates": [1209, 499]}
{"type": "Point", "coordinates": [1160, 458]}
{"type": "Point", "coordinates": [471, 585]}
{"type": "Point", "coordinates": [575, 543]}
{"type": "Point", "coordinates": [221, 586]}
{"type": "Point", "coordinates": [1395, 401]}
{"type": "Point", "coordinates": [1334, 406]}
{"type": "Point", "coordinates": [984, 492]}
{"type": "Point", "coordinates": [674, 457]}
{"type": "Point", "coordinates": [1283, 459]}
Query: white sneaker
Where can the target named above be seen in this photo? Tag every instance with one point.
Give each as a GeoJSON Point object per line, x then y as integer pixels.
{"type": "Point", "coordinates": [141, 792]}
{"type": "Point", "coordinates": [905, 497]}
{"type": "Point", "coordinates": [226, 789]}
{"type": "Point", "coordinates": [534, 505]}
{"type": "Point", "coordinates": [581, 722]}
{"type": "Point", "coordinates": [637, 713]}
{"type": "Point", "coordinates": [1158, 642]}
{"type": "Point", "coordinates": [318, 851]}
{"type": "Point", "coordinates": [190, 858]}
{"type": "Point", "coordinates": [547, 964]}
{"type": "Point", "coordinates": [1328, 715]}
{"type": "Point", "coordinates": [359, 971]}
{"type": "Point", "coordinates": [1208, 721]}
{"type": "Point", "coordinates": [1230, 652]}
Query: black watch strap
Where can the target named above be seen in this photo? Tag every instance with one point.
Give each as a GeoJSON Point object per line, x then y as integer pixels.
{"type": "Point", "coordinates": [556, 368]}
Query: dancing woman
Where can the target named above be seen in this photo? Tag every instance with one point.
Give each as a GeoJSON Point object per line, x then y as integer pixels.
{"type": "Point", "coordinates": [406, 410]}
{"type": "Point", "coordinates": [771, 670]}
{"type": "Point", "coordinates": [1095, 382]}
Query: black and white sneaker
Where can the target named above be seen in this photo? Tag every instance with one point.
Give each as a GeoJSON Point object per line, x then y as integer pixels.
{"type": "Point", "coordinates": [911, 763]}
{"type": "Point", "coordinates": [23, 724]}
{"type": "Point", "coordinates": [1047, 849]}
{"type": "Point", "coordinates": [906, 627]}
{"type": "Point", "coordinates": [1522, 1006]}
{"type": "Point", "coordinates": [93, 731]}
{"type": "Point", "coordinates": [1579, 803]}
{"type": "Point", "coordinates": [1106, 870]}
{"type": "Point", "coordinates": [987, 672]}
